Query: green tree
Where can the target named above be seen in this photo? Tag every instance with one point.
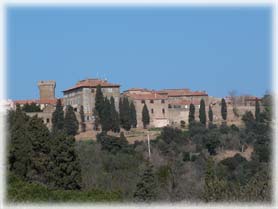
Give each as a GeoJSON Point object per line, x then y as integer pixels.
{"type": "Point", "coordinates": [65, 171]}
{"type": "Point", "coordinates": [71, 123]}
{"type": "Point", "coordinates": [202, 112]}
{"type": "Point", "coordinates": [257, 110]}
{"type": "Point", "coordinates": [82, 118]}
{"type": "Point", "coordinates": [121, 112]}
{"type": "Point", "coordinates": [210, 113]}
{"type": "Point", "coordinates": [31, 108]}
{"type": "Point", "coordinates": [58, 117]}
{"type": "Point", "coordinates": [126, 119]}
{"type": "Point", "coordinates": [133, 116]}
{"type": "Point", "coordinates": [146, 187]}
{"type": "Point", "coordinates": [106, 120]}
{"type": "Point", "coordinates": [96, 119]}
{"type": "Point", "coordinates": [115, 120]}
{"type": "Point", "coordinates": [223, 109]}
{"type": "Point", "coordinates": [191, 117]}
{"type": "Point", "coordinates": [99, 101]}
{"type": "Point", "coordinates": [20, 145]}
{"type": "Point", "coordinates": [145, 116]}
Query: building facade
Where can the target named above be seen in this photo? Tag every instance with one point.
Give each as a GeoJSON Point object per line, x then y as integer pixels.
{"type": "Point", "coordinates": [84, 93]}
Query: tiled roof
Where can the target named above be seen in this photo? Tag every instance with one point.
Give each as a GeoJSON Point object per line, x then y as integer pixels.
{"type": "Point", "coordinates": [150, 96]}
{"type": "Point", "coordinates": [92, 83]}
{"type": "Point", "coordinates": [182, 92]}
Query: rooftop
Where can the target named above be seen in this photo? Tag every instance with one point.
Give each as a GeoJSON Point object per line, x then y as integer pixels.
{"type": "Point", "coordinates": [92, 82]}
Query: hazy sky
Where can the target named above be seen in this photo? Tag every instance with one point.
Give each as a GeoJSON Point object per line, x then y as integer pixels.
{"type": "Point", "coordinates": [202, 48]}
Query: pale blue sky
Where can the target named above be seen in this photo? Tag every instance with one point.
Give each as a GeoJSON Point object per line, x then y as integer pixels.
{"type": "Point", "coordinates": [203, 48]}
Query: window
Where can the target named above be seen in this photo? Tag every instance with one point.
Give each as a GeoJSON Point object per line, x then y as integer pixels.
{"type": "Point", "coordinates": [92, 90]}
{"type": "Point", "coordinates": [143, 101]}
{"type": "Point", "coordinates": [169, 106]}
{"type": "Point", "coordinates": [47, 120]}
{"type": "Point", "coordinates": [162, 101]}
{"type": "Point", "coordinates": [110, 90]}
{"type": "Point", "coordinates": [163, 111]}
{"type": "Point", "coordinates": [88, 118]}
{"type": "Point", "coordinates": [75, 109]}
{"type": "Point", "coordinates": [152, 111]}
{"type": "Point", "coordinates": [151, 101]}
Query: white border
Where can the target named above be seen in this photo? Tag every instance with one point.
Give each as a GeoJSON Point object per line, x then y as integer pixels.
{"type": "Point", "coordinates": [76, 3]}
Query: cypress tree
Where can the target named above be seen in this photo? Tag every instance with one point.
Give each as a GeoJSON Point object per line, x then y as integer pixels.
{"type": "Point", "coordinates": [121, 112]}
{"type": "Point", "coordinates": [115, 121]}
{"type": "Point", "coordinates": [191, 117]}
{"type": "Point", "coordinates": [257, 110]}
{"type": "Point", "coordinates": [145, 116]}
{"type": "Point", "coordinates": [133, 116]}
{"type": "Point", "coordinates": [58, 117]}
{"type": "Point", "coordinates": [146, 187]}
{"type": "Point", "coordinates": [106, 120]}
{"type": "Point", "coordinates": [210, 113]}
{"type": "Point", "coordinates": [96, 119]}
{"type": "Point", "coordinates": [71, 122]}
{"type": "Point", "coordinates": [223, 109]}
{"type": "Point", "coordinates": [99, 101]}
{"type": "Point", "coordinates": [126, 122]}
{"type": "Point", "coordinates": [202, 112]}
{"type": "Point", "coordinates": [65, 170]}
{"type": "Point", "coordinates": [82, 118]}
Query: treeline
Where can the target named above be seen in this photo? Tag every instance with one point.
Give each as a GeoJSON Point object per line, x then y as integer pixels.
{"type": "Point", "coordinates": [109, 118]}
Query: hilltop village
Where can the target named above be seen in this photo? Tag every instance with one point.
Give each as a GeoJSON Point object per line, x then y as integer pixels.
{"type": "Point", "coordinates": [166, 107]}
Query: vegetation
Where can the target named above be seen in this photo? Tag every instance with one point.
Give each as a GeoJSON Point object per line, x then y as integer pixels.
{"type": "Point", "coordinates": [202, 112]}
{"type": "Point", "coordinates": [58, 117]}
{"type": "Point", "coordinates": [191, 117]}
{"type": "Point", "coordinates": [223, 109]}
{"type": "Point", "coordinates": [71, 124]}
{"type": "Point", "coordinates": [184, 165]}
{"type": "Point", "coordinates": [31, 108]}
{"type": "Point", "coordinates": [82, 119]}
{"type": "Point", "coordinates": [145, 116]}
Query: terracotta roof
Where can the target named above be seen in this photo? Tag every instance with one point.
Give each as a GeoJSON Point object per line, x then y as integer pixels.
{"type": "Point", "coordinates": [182, 92]}
{"type": "Point", "coordinates": [150, 96]}
{"type": "Point", "coordinates": [36, 101]}
{"type": "Point", "coordinates": [93, 82]}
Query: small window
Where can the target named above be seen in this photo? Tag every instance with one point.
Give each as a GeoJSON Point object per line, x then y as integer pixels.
{"type": "Point", "coordinates": [93, 90]}
{"type": "Point", "coordinates": [163, 111]}
{"type": "Point", "coordinates": [152, 111]}
{"type": "Point", "coordinates": [143, 101]}
{"type": "Point", "coordinates": [47, 120]}
{"type": "Point", "coordinates": [169, 106]}
{"type": "Point", "coordinates": [151, 101]}
{"type": "Point", "coordinates": [88, 118]}
{"type": "Point", "coordinates": [75, 109]}
{"type": "Point", "coordinates": [162, 101]}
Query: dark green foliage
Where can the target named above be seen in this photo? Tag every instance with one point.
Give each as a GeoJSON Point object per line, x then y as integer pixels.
{"type": "Point", "coordinates": [202, 112]}
{"type": "Point", "coordinates": [19, 191]}
{"type": "Point", "coordinates": [71, 124]}
{"type": "Point", "coordinates": [249, 121]}
{"type": "Point", "coordinates": [65, 171]}
{"type": "Point", "coordinates": [182, 123]}
{"type": "Point", "coordinates": [31, 108]}
{"type": "Point", "coordinates": [145, 116]}
{"type": "Point", "coordinates": [115, 120]}
{"type": "Point", "coordinates": [96, 119]}
{"type": "Point", "coordinates": [212, 141]}
{"type": "Point", "coordinates": [99, 101]}
{"type": "Point", "coordinates": [20, 145]}
{"type": "Point", "coordinates": [58, 117]}
{"type": "Point", "coordinates": [125, 114]}
{"type": "Point", "coordinates": [191, 117]}
{"type": "Point", "coordinates": [113, 144]}
{"type": "Point", "coordinates": [223, 109]}
{"type": "Point", "coordinates": [257, 110]}
{"type": "Point", "coordinates": [121, 112]}
{"type": "Point", "coordinates": [169, 134]}
{"type": "Point", "coordinates": [133, 116]}
{"type": "Point", "coordinates": [146, 187]}
{"type": "Point", "coordinates": [210, 113]}
{"type": "Point", "coordinates": [105, 119]}
{"type": "Point", "coordinates": [82, 118]}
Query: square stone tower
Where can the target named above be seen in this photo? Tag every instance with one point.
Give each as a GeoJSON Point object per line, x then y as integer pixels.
{"type": "Point", "coordinates": [47, 89]}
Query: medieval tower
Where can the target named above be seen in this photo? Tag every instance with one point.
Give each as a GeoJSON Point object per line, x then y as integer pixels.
{"type": "Point", "coordinates": [47, 89]}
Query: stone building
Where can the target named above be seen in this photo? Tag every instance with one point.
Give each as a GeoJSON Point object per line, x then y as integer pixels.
{"type": "Point", "coordinates": [157, 105]}
{"type": "Point", "coordinates": [84, 93]}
